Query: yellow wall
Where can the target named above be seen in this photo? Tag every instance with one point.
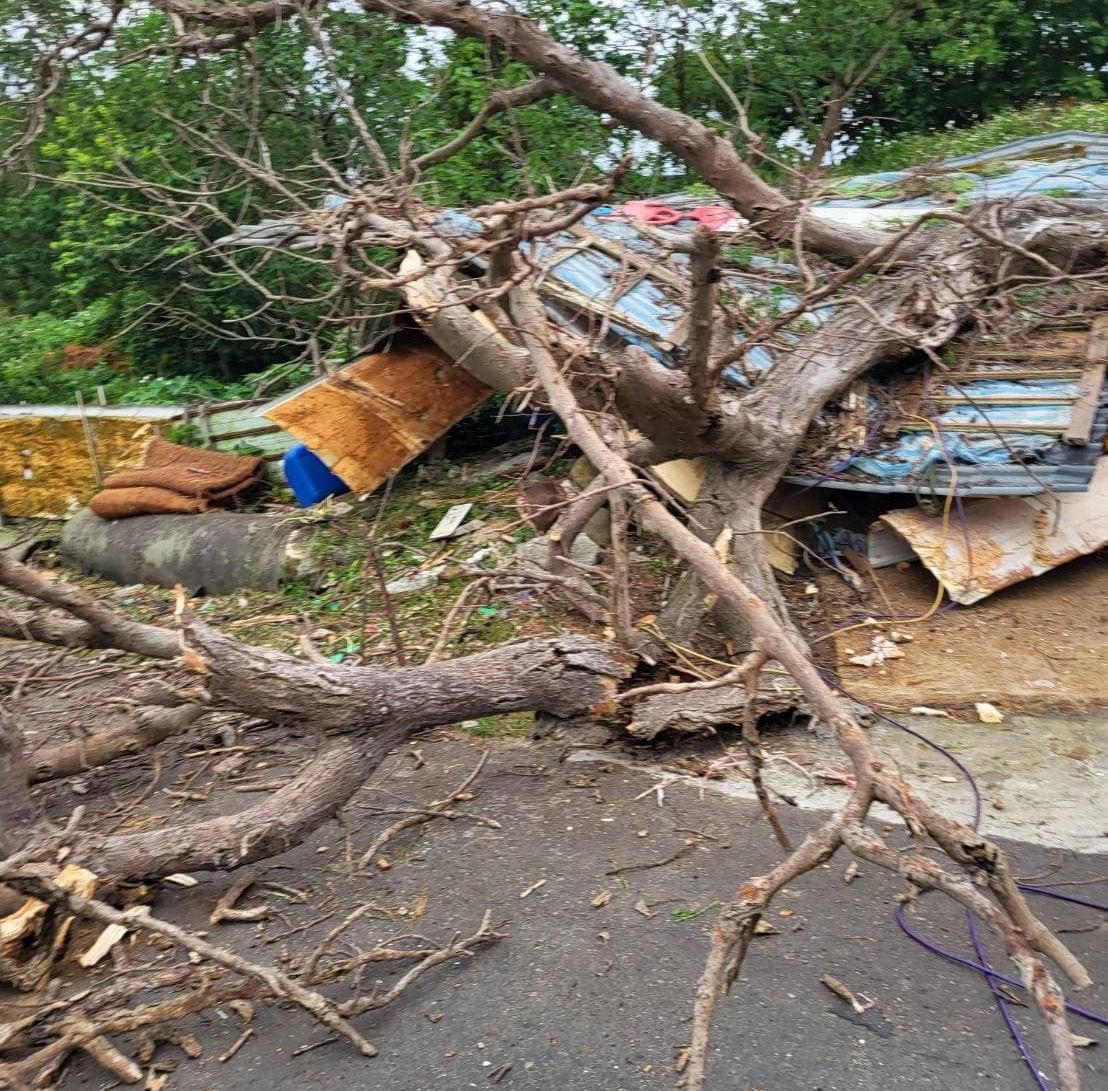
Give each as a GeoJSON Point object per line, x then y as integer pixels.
{"type": "Point", "coordinates": [45, 468]}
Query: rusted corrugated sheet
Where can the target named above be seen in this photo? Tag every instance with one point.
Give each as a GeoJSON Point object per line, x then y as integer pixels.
{"type": "Point", "coordinates": [378, 413]}
{"type": "Point", "coordinates": [50, 455]}
{"type": "Point", "coordinates": [1006, 540]}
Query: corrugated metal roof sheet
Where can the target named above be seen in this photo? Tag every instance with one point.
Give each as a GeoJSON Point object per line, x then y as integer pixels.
{"type": "Point", "coordinates": [609, 269]}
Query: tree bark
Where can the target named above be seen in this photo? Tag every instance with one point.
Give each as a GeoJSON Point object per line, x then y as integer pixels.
{"type": "Point", "coordinates": [274, 825]}
{"type": "Point", "coordinates": [149, 726]}
{"type": "Point", "coordinates": [564, 676]}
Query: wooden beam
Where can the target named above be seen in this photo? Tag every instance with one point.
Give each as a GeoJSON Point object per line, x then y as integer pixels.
{"type": "Point", "coordinates": [1002, 353]}
{"type": "Point", "coordinates": [1091, 384]}
{"type": "Point", "coordinates": [1013, 373]}
{"type": "Point", "coordinates": [1002, 399]}
{"type": "Point", "coordinates": [1008, 428]}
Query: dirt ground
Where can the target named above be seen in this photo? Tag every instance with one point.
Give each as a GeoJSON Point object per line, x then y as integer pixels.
{"type": "Point", "coordinates": [1040, 646]}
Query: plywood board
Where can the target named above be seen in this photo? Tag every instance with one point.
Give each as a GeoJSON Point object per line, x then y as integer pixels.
{"type": "Point", "coordinates": [378, 413]}
{"type": "Point", "coordinates": [684, 476]}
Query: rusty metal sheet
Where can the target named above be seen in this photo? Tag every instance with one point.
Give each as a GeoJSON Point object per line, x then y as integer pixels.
{"type": "Point", "coordinates": [1005, 540]}
{"type": "Point", "coordinates": [378, 413]}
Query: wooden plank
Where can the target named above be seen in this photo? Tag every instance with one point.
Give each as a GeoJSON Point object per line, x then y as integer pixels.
{"type": "Point", "coordinates": [1014, 373]}
{"type": "Point", "coordinates": [1002, 399]}
{"type": "Point", "coordinates": [1001, 353]}
{"type": "Point", "coordinates": [1022, 428]}
{"type": "Point", "coordinates": [216, 438]}
{"type": "Point", "coordinates": [1090, 385]}
{"type": "Point", "coordinates": [376, 415]}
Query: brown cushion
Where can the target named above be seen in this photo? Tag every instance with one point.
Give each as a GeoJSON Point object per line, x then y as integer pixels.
{"type": "Point", "coordinates": [124, 503]}
{"type": "Point", "coordinates": [190, 471]}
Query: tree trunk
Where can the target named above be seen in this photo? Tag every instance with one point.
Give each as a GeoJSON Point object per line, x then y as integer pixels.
{"type": "Point", "coordinates": [217, 552]}
{"type": "Point", "coordinates": [563, 676]}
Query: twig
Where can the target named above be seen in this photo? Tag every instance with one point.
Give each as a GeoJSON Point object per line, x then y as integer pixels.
{"type": "Point", "coordinates": [436, 809]}
{"type": "Point", "coordinates": [374, 559]}
{"type": "Point", "coordinates": [452, 616]}
{"type": "Point", "coordinates": [752, 743]}
{"type": "Point", "coordinates": [453, 949]}
{"type": "Point", "coordinates": [680, 687]}
{"type": "Point", "coordinates": [238, 1043]}
{"type": "Point", "coordinates": [278, 983]}
{"type": "Point", "coordinates": [225, 908]}
{"type": "Point", "coordinates": [619, 590]}
{"type": "Point", "coordinates": [684, 850]}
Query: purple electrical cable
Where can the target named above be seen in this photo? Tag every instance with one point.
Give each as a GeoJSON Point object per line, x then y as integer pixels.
{"type": "Point", "coordinates": [834, 469]}
{"type": "Point", "coordinates": [970, 964]}
{"type": "Point", "coordinates": [982, 964]}
{"type": "Point", "coordinates": [1046, 892]}
{"type": "Point", "coordinates": [1002, 1005]}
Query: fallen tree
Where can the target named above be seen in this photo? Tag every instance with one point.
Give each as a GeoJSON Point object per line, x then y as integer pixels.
{"type": "Point", "coordinates": [479, 297]}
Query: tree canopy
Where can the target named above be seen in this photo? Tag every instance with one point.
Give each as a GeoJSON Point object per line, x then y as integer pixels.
{"type": "Point", "coordinates": [828, 84]}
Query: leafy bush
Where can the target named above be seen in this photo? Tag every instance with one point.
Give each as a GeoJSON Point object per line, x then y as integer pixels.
{"type": "Point", "coordinates": [34, 350]}
{"type": "Point", "coordinates": [909, 151]}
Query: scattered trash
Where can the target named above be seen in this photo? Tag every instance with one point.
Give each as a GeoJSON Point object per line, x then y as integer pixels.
{"type": "Point", "coordinates": [882, 648]}
{"type": "Point", "coordinates": [417, 581]}
{"type": "Point", "coordinates": [988, 714]}
{"type": "Point", "coordinates": [176, 480]}
{"type": "Point", "coordinates": [179, 878]}
{"type": "Point", "coordinates": [852, 872]}
{"type": "Point", "coordinates": [840, 990]}
{"type": "Point", "coordinates": [1007, 539]}
{"type": "Point", "coordinates": [448, 526]}
{"type": "Point", "coordinates": [310, 478]}
{"type": "Point", "coordinates": [924, 710]}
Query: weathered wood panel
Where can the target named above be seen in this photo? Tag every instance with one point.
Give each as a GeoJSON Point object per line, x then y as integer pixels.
{"type": "Point", "coordinates": [380, 412]}
{"type": "Point", "coordinates": [50, 458]}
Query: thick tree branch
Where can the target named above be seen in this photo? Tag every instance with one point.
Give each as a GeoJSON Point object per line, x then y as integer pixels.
{"type": "Point", "coordinates": [598, 85]}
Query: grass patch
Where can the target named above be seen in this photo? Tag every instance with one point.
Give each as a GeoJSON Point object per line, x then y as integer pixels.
{"type": "Point", "coordinates": [512, 725]}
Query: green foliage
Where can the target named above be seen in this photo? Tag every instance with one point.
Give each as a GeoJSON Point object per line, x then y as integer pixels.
{"type": "Point", "coordinates": [1005, 126]}
{"type": "Point", "coordinates": [33, 353]}
{"type": "Point", "coordinates": [928, 65]}
{"type": "Point", "coordinates": [513, 725]}
{"type": "Point", "coordinates": [84, 262]}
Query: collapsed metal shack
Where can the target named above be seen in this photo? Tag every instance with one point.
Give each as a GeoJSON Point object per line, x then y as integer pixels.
{"type": "Point", "coordinates": [1019, 410]}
